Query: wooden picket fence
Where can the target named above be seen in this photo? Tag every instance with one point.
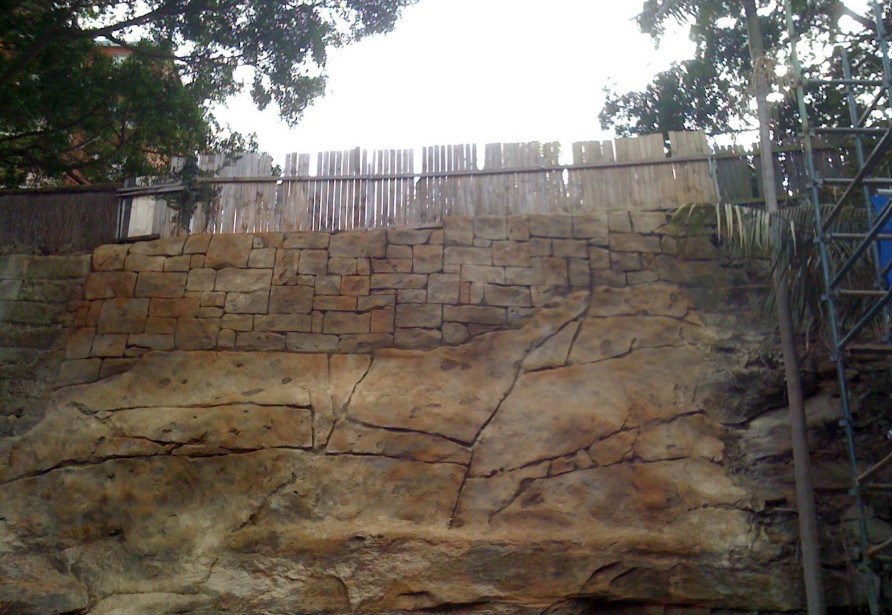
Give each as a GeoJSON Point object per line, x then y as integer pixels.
{"type": "Point", "coordinates": [359, 188]}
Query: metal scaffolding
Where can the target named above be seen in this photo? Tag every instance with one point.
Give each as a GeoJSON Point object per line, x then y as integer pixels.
{"type": "Point", "coordinates": [866, 190]}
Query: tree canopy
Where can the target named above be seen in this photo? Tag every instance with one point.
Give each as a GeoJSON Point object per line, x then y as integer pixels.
{"type": "Point", "coordinates": [710, 91]}
{"type": "Point", "coordinates": [95, 90]}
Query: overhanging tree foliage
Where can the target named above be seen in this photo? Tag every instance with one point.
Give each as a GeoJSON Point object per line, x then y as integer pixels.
{"type": "Point", "coordinates": [69, 107]}
{"type": "Point", "coordinates": [709, 92]}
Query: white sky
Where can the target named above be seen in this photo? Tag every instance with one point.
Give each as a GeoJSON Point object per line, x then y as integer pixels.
{"type": "Point", "coordinates": [473, 71]}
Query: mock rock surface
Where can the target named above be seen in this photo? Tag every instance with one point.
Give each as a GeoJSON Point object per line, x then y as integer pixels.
{"type": "Point", "coordinates": [580, 457]}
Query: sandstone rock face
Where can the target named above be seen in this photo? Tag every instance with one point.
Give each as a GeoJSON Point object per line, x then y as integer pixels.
{"type": "Point", "coordinates": [571, 463]}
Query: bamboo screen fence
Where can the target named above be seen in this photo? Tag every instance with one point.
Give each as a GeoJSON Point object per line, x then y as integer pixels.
{"type": "Point", "coordinates": [360, 188]}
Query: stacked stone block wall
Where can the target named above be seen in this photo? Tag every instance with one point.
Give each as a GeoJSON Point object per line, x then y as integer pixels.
{"type": "Point", "coordinates": [355, 291]}
{"type": "Point", "coordinates": [35, 293]}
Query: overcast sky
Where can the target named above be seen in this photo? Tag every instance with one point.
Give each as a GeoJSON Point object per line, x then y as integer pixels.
{"type": "Point", "coordinates": [474, 71]}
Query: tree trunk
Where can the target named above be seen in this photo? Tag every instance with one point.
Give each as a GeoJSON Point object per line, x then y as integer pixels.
{"type": "Point", "coordinates": [805, 499]}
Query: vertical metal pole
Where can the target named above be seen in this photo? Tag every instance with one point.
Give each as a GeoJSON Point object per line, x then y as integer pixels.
{"type": "Point", "coordinates": [821, 241]}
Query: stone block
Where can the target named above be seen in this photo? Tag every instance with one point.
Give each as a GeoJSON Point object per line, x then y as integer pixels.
{"type": "Point", "coordinates": [264, 258]}
{"type": "Point", "coordinates": [608, 277]}
{"type": "Point", "coordinates": [408, 236]}
{"type": "Point", "coordinates": [210, 312]}
{"type": "Point", "coordinates": [633, 242]}
{"type": "Point", "coordinates": [364, 342]}
{"type": "Point", "coordinates": [109, 284]}
{"type": "Point", "coordinates": [411, 295]}
{"type": "Point", "coordinates": [263, 341]}
{"type": "Point", "coordinates": [436, 238]}
{"type": "Point", "coordinates": [569, 248]}
{"type": "Point", "coordinates": [334, 304]}
{"type": "Point", "coordinates": [355, 285]}
{"type": "Point", "coordinates": [313, 262]}
{"type": "Point", "coordinates": [481, 273]}
{"type": "Point", "coordinates": [518, 228]}
{"type": "Point", "coordinates": [134, 352]}
{"type": "Point", "coordinates": [519, 296]}
{"type": "Point", "coordinates": [345, 322]}
{"type": "Point", "coordinates": [491, 227]}
{"type": "Point", "coordinates": [311, 342]}
{"type": "Point", "coordinates": [523, 276]}
{"type": "Point", "coordinates": [161, 326]}
{"type": "Point", "coordinates": [458, 231]}
{"type": "Point", "coordinates": [112, 367]}
{"type": "Point", "coordinates": [399, 251]}
{"type": "Point", "coordinates": [359, 244]}
{"type": "Point", "coordinates": [247, 303]}
{"type": "Point", "coordinates": [154, 284]}
{"type": "Point", "coordinates": [13, 266]}
{"type": "Point", "coordinates": [669, 245]}
{"type": "Point", "coordinates": [551, 225]}
{"type": "Point", "coordinates": [342, 266]}
{"type": "Point", "coordinates": [237, 322]}
{"type": "Point", "coordinates": [229, 250]}
{"type": "Point", "coordinates": [619, 222]}
{"type": "Point", "coordinates": [212, 299]}
{"type": "Point", "coordinates": [197, 244]}
{"type": "Point", "coordinates": [486, 315]}
{"type": "Point", "coordinates": [93, 313]}
{"type": "Point", "coordinates": [625, 261]}
{"type": "Point", "coordinates": [28, 313]}
{"type": "Point", "coordinates": [48, 291]}
{"type": "Point", "coordinates": [243, 280]}
{"type": "Point", "coordinates": [78, 371]}
{"type": "Point", "coordinates": [641, 277]}
{"type": "Point", "coordinates": [328, 285]}
{"type": "Point", "coordinates": [197, 333]}
{"type": "Point", "coordinates": [417, 338]}
{"type": "Point", "coordinates": [554, 271]}
{"type": "Point", "coordinates": [9, 289]}
{"type": "Point", "coordinates": [382, 320]}
{"type": "Point", "coordinates": [80, 343]}
{"type": "Point", "coordinates": [455, 333]}
{"type": "Point", "coordinates": [152, 341]}
{"type": "Point", "coordinates": [290, 300]}
{"type": "Point", "coordinates": [398, 280]}
{"type": "Point", "coordinates": [184, 307]}
{"type": "Point", "coordinates": [306, 240]}
{"type": "Point", "coordinates": [374, 301]}
{"type": "Point", "coordinates": [141, 262]}
{"type": "Point", "coordinates": [226, 339]}
{"type": "Point", "coordinates": [697, 248]}
{"type": "Point", "coordinates": [178, 263]}
{"type": "Point", "coordinates": [109, 345]}
{"type": "Point", "coordinates": [467, 256]}
{"type": "Point", "coordinates": [109, 258]}
{"type": "Point", "coordinates": [540, 246]}
{"type": "Point", "coordinates": [168, 246]}
{"type": "Point", "coordinates": [57, 267]}
{"type": "Point", "coordinates": [363, 266]}
{"type": "Point", "coordinates": [592, 227]}
{"type": "Point", "coordinates": [579, 273]}
{"type": "Point", "coordinates": [443, 288]}
{"type": "Point", "coordinates": [391, 265]}
{"type": "Point", "coordinates": [197, 261]}
{"type": "Point", "coordinates": [283, 322]}
{"type": "Point", "coordinates": [598, 258]}
{"type": "Point", "coordinates": [419, 315]}
{"type": "Point", "coordinates": [286, 267]}
{"type": "Point", "coordinates": [427, 259]}
{"type": "Point", "coordinates": [648, 221]}
{"type": "Point", "coordinates": [482, 243]}
{"type": "Point", "coordinates": [123, 315]}
{"type": "Point", "coordinates": [511, 253]}
{"type": "Point", "coordinates": [268, 240]}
